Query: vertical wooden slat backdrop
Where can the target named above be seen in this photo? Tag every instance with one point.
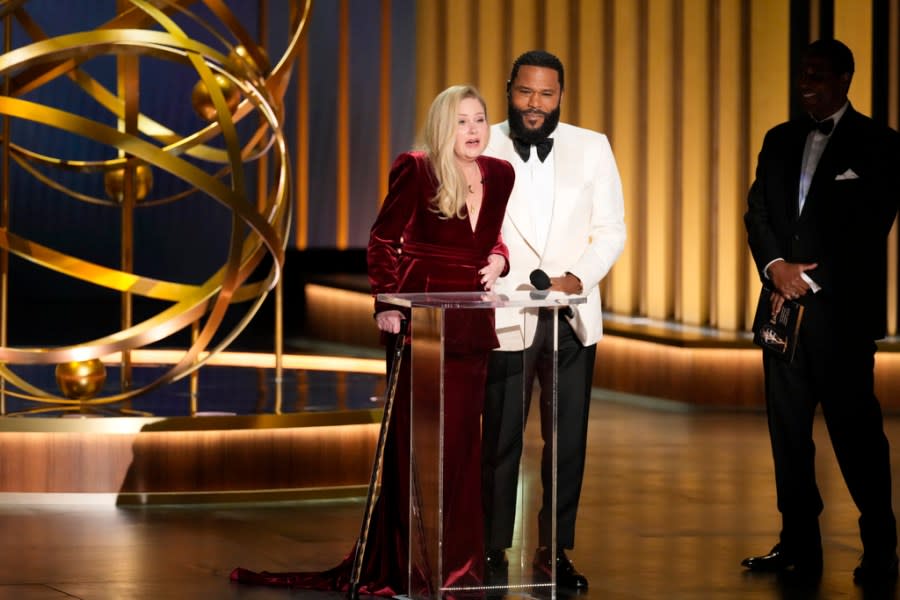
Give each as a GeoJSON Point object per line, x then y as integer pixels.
{"type": "Point", "coordinates": [853, 26]}
{"type": "Point", "coordinates": [592, 64]}
{"type": "Point", "coordinates": [894, 64]}
{"type": "Point", "coordinates": [430, 74]}
{"type": "Point", "coordinates": [493, 68]}
{"type": "Point", "coordinates": [343, 126]}
{"type": "Point", "coordinates": [623, 132]}
{"type": "Point", "coordinates": [893, 116]}
{"type": "Point", "coordinates": [460, 43]}
{"type": "Point", "coordinates": [524, 25]}
{"type": "Point", "coordinates": [657, 276]}
{"type": "Point", "coordinates": [640, 206]}
{"type": "Point", "coordinates": [769, 94]}
{"type": "Point", "coordinates": [558, 35]}
{"type": "Point", "coordinates": [695, 152]}
{"type": "Point", "coordinates": [384, 110]}
{"type": "Point", "coordinates": [685, 90]}
{"type": "Point", "coordinates": [730, 106]}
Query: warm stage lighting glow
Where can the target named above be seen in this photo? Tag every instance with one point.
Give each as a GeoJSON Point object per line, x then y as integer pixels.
{"type": "Point", "coordinates": [259, 360]}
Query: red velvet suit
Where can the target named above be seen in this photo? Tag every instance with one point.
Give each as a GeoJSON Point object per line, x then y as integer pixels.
{"type": "Point", "coordinates": [413, 249]}
{"type": "Point", "coordinates": [437, 255]}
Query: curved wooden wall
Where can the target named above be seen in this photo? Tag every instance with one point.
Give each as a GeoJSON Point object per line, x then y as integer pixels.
{"type": "Point", "coordinates": [697, 366]}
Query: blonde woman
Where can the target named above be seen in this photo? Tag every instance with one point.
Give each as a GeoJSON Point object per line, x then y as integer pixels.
{"type": "Point", "coordinates": [438, 230]}
{"type": "Point", "coordinates": [439, 227]}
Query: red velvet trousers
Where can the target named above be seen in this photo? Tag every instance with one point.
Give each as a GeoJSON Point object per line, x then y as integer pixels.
{"type": "Point", "coordinates": [385, 565]}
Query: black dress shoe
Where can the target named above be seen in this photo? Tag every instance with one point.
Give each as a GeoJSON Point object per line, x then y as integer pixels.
{"type": "Point", "coordinates": [776, 561]}
{"type": "Point", "coordinates": [496, 568]}
{"type": "Point", "coordinates": [566, 574]}
{"type": "Point", "coordinates": [495, 560]}
{"type": "Point", "coordinates": [876, 570]}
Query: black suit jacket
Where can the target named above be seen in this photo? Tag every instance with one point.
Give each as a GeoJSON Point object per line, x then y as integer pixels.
{"type": "Point", "coordinates": [848, 212]}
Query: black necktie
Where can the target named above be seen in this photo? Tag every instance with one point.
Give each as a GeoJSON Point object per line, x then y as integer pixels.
{"type": "Point", "coordinates": [825, 127]}
{"type": "Point", "coordinates": [524, 150]}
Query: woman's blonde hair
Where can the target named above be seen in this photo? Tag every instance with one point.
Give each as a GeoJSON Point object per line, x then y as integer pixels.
{"type": "Point", "coordinates": [438, 138]}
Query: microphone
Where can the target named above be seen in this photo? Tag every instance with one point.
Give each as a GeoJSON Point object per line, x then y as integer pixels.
{"type": "Point", "coordinates": [541, 281]}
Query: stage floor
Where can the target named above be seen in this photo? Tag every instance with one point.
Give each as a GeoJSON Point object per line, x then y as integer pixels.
{"type": "Point", "coordinates": [673, 499]}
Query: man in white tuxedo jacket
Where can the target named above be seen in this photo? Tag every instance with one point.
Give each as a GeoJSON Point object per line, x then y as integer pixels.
{"type": "Point", "coordinates": [565, 217]}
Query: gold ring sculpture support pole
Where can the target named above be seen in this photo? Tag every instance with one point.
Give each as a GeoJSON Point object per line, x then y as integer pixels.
{"type": "Point", "coordinates": [279, 286]}
{"type": "Point", "coordinates": [194, 381]}
{"type": "Point", "coordinates": [235, 82]}
{"type": "Point", "coordinates": [279, 347]}
{"type": "Point", "coordinates": [127, 77]}
{"type": "Point", "coordinates": [4, 215]}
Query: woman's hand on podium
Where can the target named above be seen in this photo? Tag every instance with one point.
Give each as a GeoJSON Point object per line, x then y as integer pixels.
{"type": "Point", "coordinates": [389, 320]}
{"type": "Point", "coordinates": [493, 270]}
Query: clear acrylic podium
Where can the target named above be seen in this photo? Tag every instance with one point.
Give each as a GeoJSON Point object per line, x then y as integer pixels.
{"type": "Point", "coordinates": [428, 576]}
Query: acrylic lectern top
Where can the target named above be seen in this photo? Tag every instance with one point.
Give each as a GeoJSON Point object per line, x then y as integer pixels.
{"type": "Point", "coordinates": [525, 299]}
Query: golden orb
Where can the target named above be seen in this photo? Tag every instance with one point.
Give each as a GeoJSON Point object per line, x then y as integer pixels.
{"type": "Point", "coordinates": [81, 379]}
{"type": "Point", "coordinates": [203, 104]}
{"type": "Point", "coordinates": [243, 62]}
{"type": "Point", "coordinates": [114, 183]}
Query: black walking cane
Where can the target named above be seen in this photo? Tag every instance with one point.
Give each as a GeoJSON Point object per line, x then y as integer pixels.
{"type": "Point", "coordinates": [375, 481]}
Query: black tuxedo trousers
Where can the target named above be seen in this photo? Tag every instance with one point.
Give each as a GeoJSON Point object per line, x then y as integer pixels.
{"type": "Point", "coordinates": [509, 390]}
{"type": "Point", "coordinates": [834, 369]}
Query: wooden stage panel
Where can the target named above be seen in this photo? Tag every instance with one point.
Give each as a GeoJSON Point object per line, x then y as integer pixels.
{"type": "Point", "coordinates": [145, 460]}
{"type": "Point", "coordinates": [716, 377]}
{"type": "Point", "coordinates": [41, 462]}
{"type": "Point", "coordinates": [222, 462]}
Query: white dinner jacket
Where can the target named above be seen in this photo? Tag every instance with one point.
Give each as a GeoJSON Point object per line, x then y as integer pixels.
{"type": "Point", "coordinates": [586, 235]}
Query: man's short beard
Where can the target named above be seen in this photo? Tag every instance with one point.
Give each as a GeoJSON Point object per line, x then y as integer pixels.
{"type": "Point", "coordinates": [522, 133]}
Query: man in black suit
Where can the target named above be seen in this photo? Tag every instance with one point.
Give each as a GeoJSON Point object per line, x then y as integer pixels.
{"type": "Point", "coordinates": [818, 217]}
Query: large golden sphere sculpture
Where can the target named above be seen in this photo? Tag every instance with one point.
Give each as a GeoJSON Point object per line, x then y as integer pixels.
{"type": "Point", "coordinates": [114, 183]}
{"type": "Point", "coordinates": [241, 60]}
{"type": "Point", "coordinates": [202, 100]}
{"type": "Point", "coordinates": [81, 379]}
{"type": "Point", "coordinates": [218, 163]}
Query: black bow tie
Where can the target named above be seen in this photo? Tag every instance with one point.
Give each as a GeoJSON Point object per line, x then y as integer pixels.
{"type": "Point", "coordinates": [524, 150]}
{"type": "Point", "coordinates": [825, 127]}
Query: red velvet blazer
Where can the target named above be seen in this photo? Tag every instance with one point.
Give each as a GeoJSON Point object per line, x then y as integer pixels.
{"type": "Point", "coordinates": [412, 249]}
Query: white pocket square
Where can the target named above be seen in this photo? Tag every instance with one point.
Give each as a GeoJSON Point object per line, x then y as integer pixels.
{"type": "Point", "coordinates": [848, 174]}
